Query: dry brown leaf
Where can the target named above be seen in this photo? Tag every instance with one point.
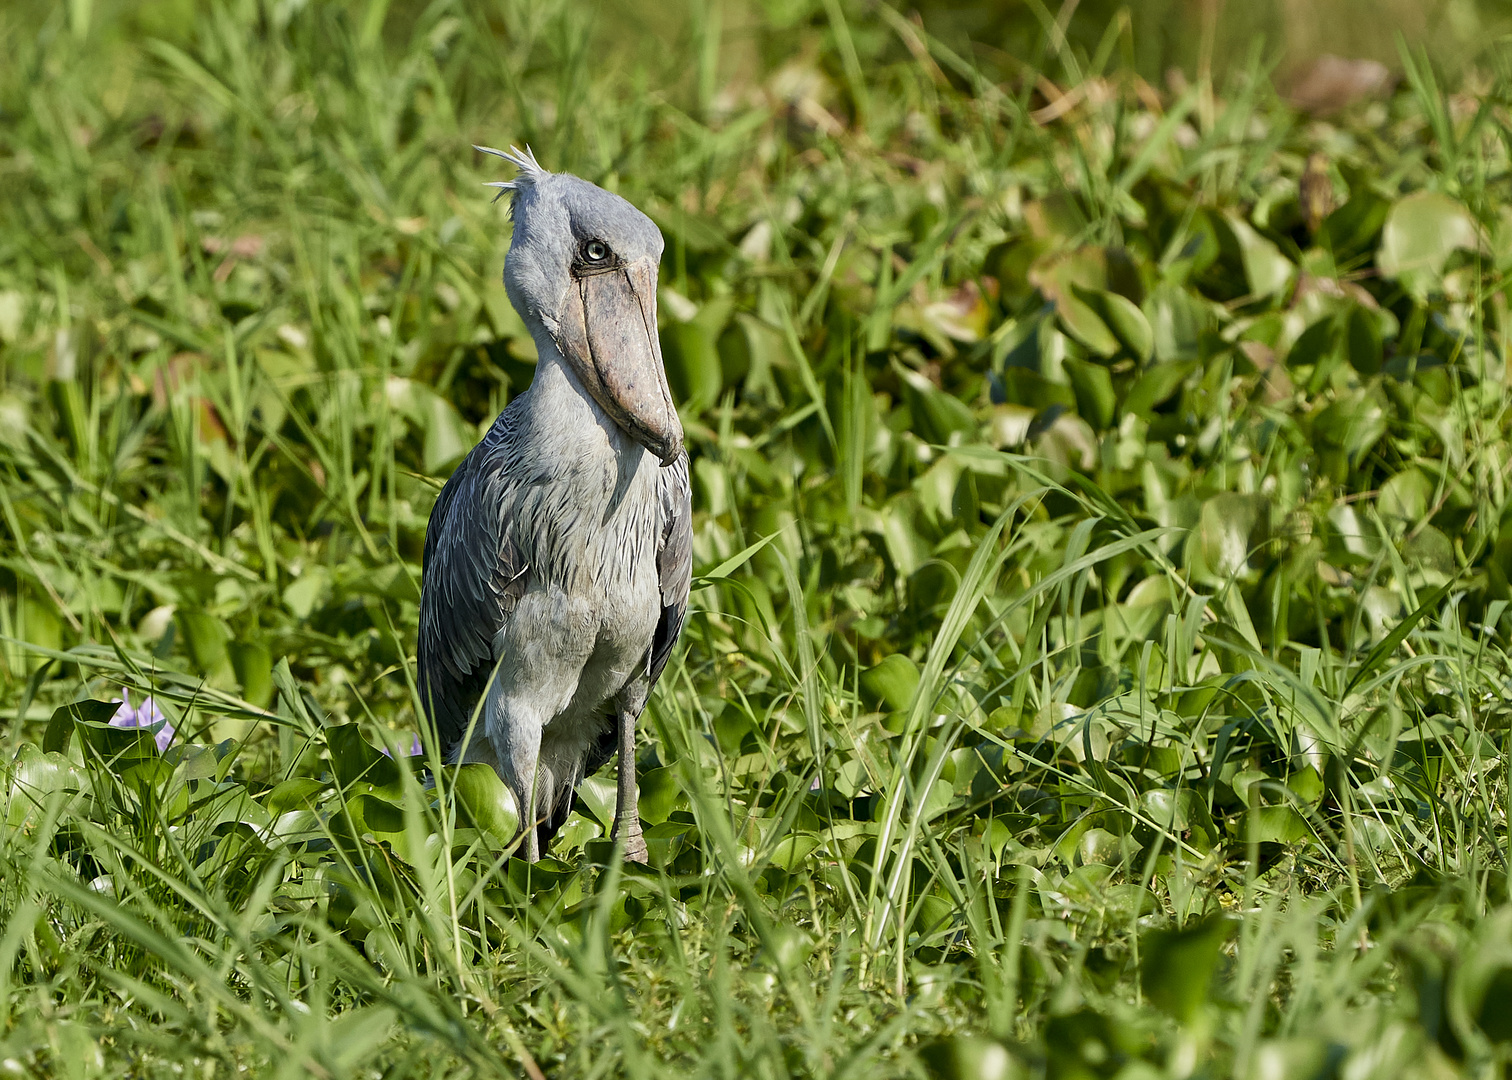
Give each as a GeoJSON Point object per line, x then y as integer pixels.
{"type": "Point", "coordinates": [1331, 83]}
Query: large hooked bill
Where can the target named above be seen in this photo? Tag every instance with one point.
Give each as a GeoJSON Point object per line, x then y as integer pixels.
{"type": "Point", "coordinates": [609, 336]}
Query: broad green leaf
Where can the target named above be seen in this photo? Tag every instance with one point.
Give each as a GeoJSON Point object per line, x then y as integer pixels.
{"type": "Point", "coordinates": [1121, 316]}
{"type": "Point", "coordinates": [1404, 498]}
{"type": "Point", "coordinates": [1156, 385]}
{"type": "Point", "coordinates": [60, 728]}
{"type": "Point", "coordinates": [1177, 966]}
{"type": "Point", "coordinates": [1231, 530]}
{"type": "Point", "coordinates": [659, 793]}
{"type": "Point", "coordinates": [937, 415]}
{"type": "Point", "coordinates": [355, 761]}
{"type": "Point", "coordinates": [597, 796]}
{"type": "Point", "coordinates": [253, 665]}
{"type": "Point", "coordinates": [35, 777]}
{"type": "Point", "coordinates": [1096, 402]}
{"type": "Point", "coordinates": [1274, 825]}
{"type": "Point", "coordinates": [1083, 324]}
{"type": "Point", "coordinates": [693, 364]}
{"type": "Point", "coordinates": [1421, 231]}
{"type": "Point", "coordinates": [297, 793]}
{"type": "Point", "coordinates": [1099, 846]}
{"type": "Point", "coordinates": [488, 803]}
{"type": "Point", "coordinates": [1363, 336]}
{"type": "Point", "coordinates": [206, 637]}
{"type": "Point", "coordinates": [891, 684]}
{"type": "Point", "coordinates": [1351, 230]}
{"type": "Point", "coordinates": [792, 850]}
{"type": "Point", "coordinates": [1265, 268]}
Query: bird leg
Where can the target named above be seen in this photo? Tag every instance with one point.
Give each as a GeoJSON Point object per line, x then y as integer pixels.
{"type": "Point", "coordinates": [627, 810]}
{"type": "Point", "coordinates": [532, 833]}
{"type": "Point", "coordinates": [519, 755]}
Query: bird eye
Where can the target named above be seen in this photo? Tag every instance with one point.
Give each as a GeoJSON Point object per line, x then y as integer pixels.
{"type": "Point", "coordinates": [595, 251]}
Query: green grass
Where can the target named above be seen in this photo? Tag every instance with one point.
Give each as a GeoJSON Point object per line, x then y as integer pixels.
{"type": "Point", "coordinates": [1097, 663]}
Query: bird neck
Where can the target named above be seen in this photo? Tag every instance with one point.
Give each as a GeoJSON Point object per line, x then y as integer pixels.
{"type": "Point", "coordinates": [562, 411]}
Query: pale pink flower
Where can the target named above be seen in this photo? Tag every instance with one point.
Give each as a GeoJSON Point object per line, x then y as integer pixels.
{"type": "Point", "coordinates": [415, 749]}
{"type": "Point", "coordinates": [145, 715]}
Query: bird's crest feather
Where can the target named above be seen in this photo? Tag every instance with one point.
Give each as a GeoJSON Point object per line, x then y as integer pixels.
{"type": "Point", "coordinates": [531, 172]}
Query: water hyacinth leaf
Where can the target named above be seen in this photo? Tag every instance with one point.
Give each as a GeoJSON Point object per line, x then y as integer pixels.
{"type": "Point", "coordinates": [793, 849]}
{"type": "Point", "coordinates": [1096, 402]}
{"type": "Point", "coordinates": [596, 797]}
{"type": "Point", "coordinates": [1029, 388]}
{"type": "Point", "coordinates": [1347, 429]}
{"type": "Point", "coordinates": [890, 685]}
{"type": "Point", "coordinates": [206, 638]}
{"type": "Point", "coordinates": [1099, 846]}
{"type": "Point", "coordinates": [1082, 323]}
{"type": "Point", "coordinates": [35, 777]}
{"type": "Point", "coordinates": [1273, 825]}
{"type": "Point", "coordinates": [1168, 809]}
{"type": "Point", "coordinates": [666, 841]}
{"type": "Point", "coordinates": [118, 745]}
{"type": "Point", "coordinates": [377, 816]}
{"type": "Point", "coordinates": [1232, 527]}
{"type": "Point", "coordinates": [659, 794]}
{"type": "Point", "coordinates": [355, 761]}
{"type": "Point", "coordinates": [1405, 497]}
{"type": "Point", "coordinates": [1420, 233]}
{"type": "Point", "coordinates": [694, 369]}
{"type": "Point", "coordinates": [936, 800]}
{"type": "Point", "coordinates": [937, 415]}
{"type": "Point", "coordinates": [1429, 549]}
{"type": "Point", "coordinates": [1306, 784]}
{"type": "Point", "coordinates": [1315, 343]}
{"type": "Point", "coordinates": [1265, 268]}
{"type": "Point", "coordinates": [1176, 320]}
{"type": "Point", "coordinates": [234, 804]}
{"type": "Point", "coordinates": [1121, 316]}
{"type": "Point", "coordinates": [199, 762]}
{"type": "Point", "coordinates": [447, 435]}
{"type": "Point", "coordinates": [1156, 385]}
{"type": "Point", "coordinates": [60, 728]}
{"type": "Point", "coordinates": [489, 805]}
{"type": "Point", "coordinates": [296, 793]}
{"type": "Point", "coordinates": [253, 665]}
{"type": "Point", "coordinates": [1350, 231]}
{"type": "Point", "coordinates": [130, 754]}
{"type": "Point", "coordinates": [1177, 966]}
{"type": "Point", "coordinates": [1059, 279]}
{"type": "Point", "coordinates": [1363, 338]}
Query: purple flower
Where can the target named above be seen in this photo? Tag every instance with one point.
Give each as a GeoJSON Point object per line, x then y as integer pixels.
{"type": "Point", "coordinates": [415, 749]}
{"type": "Point", "coordinates": [145, 715]}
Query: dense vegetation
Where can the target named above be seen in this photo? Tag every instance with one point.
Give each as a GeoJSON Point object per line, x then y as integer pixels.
{"type": "Point", "coordinates": [1098, 656]}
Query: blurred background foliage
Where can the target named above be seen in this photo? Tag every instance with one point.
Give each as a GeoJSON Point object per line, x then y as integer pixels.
{"type": "Point", "coordinates": [1097, 665]}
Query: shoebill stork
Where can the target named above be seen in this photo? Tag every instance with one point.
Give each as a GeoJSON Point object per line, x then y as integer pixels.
{"type": "Point", "coordinates": [557, 559]}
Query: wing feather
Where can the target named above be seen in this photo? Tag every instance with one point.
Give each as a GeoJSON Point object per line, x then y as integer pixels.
{"type": "Point", "coordinates": [674, 560]}
{"type": "Point", "coordinates": [473, 577]}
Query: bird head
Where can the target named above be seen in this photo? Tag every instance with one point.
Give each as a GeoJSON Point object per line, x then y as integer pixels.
{"type": "Point", "coordinates": [581, 270]}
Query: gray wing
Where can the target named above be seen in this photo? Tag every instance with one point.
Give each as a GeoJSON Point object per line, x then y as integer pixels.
{"type": "Point", "coordinates": [473, 577]}
{"type": "Point", "coordinates": [674, 560]}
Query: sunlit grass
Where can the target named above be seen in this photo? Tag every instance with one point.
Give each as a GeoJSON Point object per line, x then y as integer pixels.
{"type": "Point", "coordinates": [1097, 658]}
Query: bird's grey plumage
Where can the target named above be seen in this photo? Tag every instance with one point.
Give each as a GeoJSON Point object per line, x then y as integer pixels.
{"type": "Point", "coordinates": [558, 555]}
